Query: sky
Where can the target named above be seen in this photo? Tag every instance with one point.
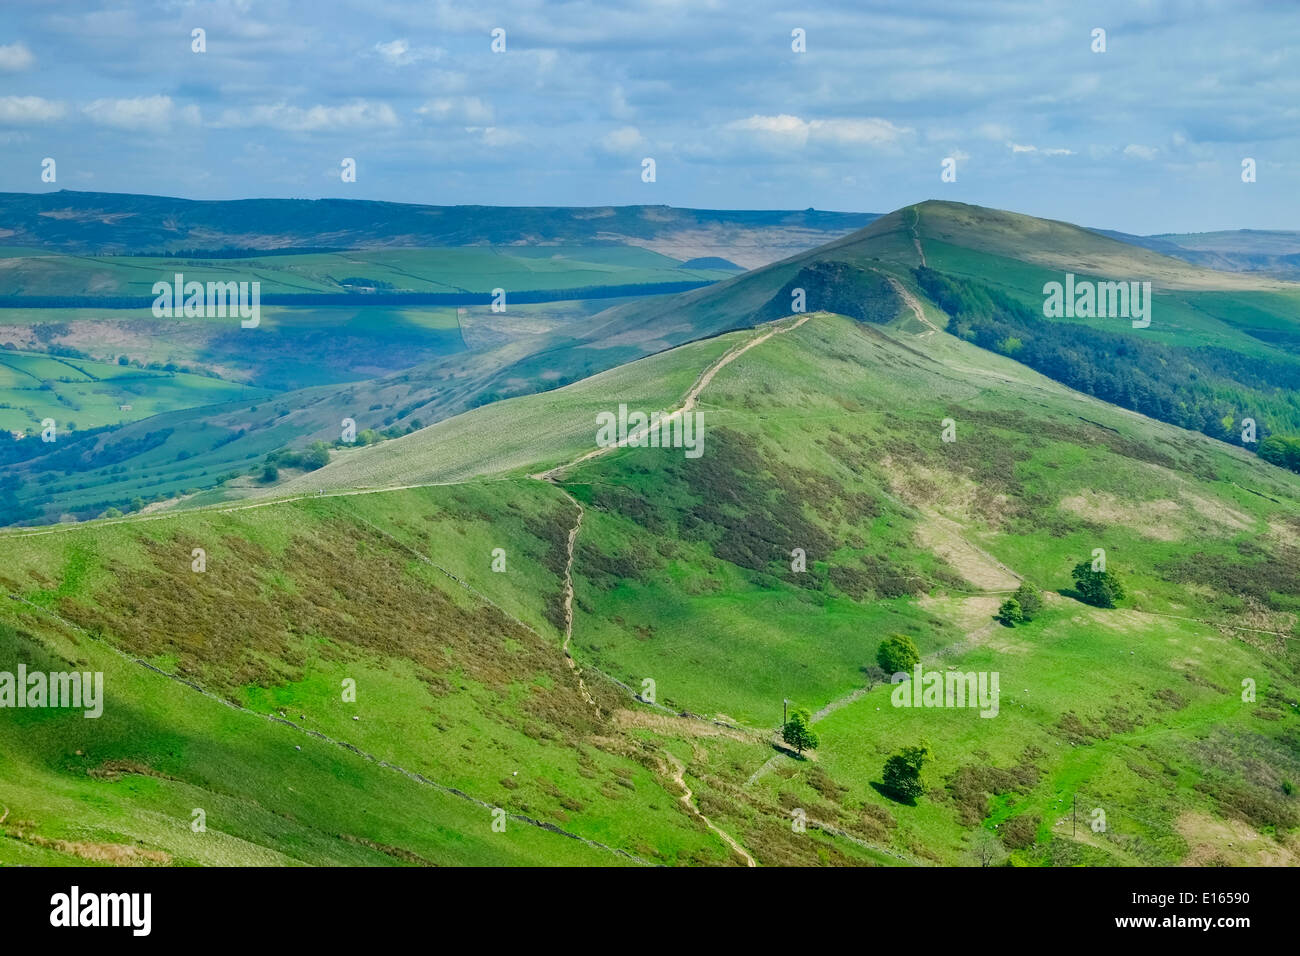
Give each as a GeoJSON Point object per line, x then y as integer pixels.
{"type": "Point", "coordinates": [1148, 136]}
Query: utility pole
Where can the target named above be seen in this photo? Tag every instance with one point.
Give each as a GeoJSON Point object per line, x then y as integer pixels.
{"type": "Point", "coordinates": [1074, 806]}
{"type": "Point", "coordinates": [785, 717]}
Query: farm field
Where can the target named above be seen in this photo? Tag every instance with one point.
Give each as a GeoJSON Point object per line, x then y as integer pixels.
{"type": "Point", "coordinates": [440, 269]}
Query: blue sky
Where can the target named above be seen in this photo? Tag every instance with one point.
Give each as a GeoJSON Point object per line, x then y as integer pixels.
{"type": "Point", "coordinates": [1146, 137]}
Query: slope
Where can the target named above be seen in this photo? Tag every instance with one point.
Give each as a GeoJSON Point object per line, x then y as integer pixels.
{"type": "Point", "coordinates": [826, 438]}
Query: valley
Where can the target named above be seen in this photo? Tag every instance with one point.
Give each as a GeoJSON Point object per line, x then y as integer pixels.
{"type": "Point", "coordinates": [567, 654]}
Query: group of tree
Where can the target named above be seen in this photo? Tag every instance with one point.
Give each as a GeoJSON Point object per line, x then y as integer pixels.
{"type": "Point", "coordinates": [897, 654]}
{"type": "Point", "coordinates": [1098, 588]}
{"type": "Point", "coordinates": [316, 455]}
{"type": "Point", "coordinates": [902, 774]}
{"type": "Point", "coordinates": [1281, 450]}
{"type": "Point", "coordinates": [1022, 607]}
{"type": "Point", "coordinates": [1202, 388]}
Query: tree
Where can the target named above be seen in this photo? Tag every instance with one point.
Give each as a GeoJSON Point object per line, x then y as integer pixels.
{"type": "Point", "coordinates": [987, 849]}
{"type": "Point", "coordinates": [875, 674]}
{"type": "Point", "coordinates": [1031, 602]}
{"type": "Point", "coordinates": [317, 456]}
{"type": "Point", "coordinates": [897, 653]}
{"type": "Point", "coordinates": [1281, 450]}
{"type": "Point", "coordinates": [1010, 613]}
{"type": "Point", "coordinates": [798, 732]}
{"type": "Point", "coordinates": [1098, 588]}
{"type": "Point", "coordinates": [270, 473]}
{"type": "Point", "coordinates": [903, 771]}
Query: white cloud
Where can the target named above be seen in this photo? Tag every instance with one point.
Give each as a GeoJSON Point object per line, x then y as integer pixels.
{"type": "Point", "coordinates": [140, 113]}
{"type": "Point", "coordinates": [1141, 152]}
{"type": "Point", "coordinates": [993, 131]}
{"type": "Point", "coordinates": [15, 58]}
{"type": "Point", "coordinates": [466, 109]}
{"type": "Point", "coordinates": [400, 52]}
{"type": "Point", "coordinates": [1021, 148]}
{"type": "Point", "coordinates": [359, 114]}
{"type": "Point", "coordinates": [18, 110]}
{"type": "Point", "coordinates": [618, 105]}
{"type": "Point", "coordinates": [495, 137]}
{"type": "Point", "coordinates": [799, 132]}
{"type": "Point", "coordinates": [622, 140]}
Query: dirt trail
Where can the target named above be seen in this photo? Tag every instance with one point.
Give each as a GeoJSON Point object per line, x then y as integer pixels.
{"type": "Point", "coordinates": [913, 303]}
{"type": "Point", "coordinates": [568, 603]}
{"type": "Point", "coordinates": [551, 476]}
{"type": "Point", "coordinates": [679, 777]}
{"type": "Point", "coordinates": [916, 236]}
{"type": "Point", "coordinates": [688, 403]}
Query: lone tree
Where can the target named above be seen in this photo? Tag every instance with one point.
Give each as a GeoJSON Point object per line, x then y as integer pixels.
{"type": "Point", "coordinates": [1031, 602]}
{"type": "Point", "coordinates": [903, 771]}
{"type": "Point", "coordinates": [1010, 613]}
{"type": "Point", "coordinates": [798, 732]}
{"type": "Point", "coordinates": [875, 674]}
{"type": "Point", "coordinates": [987, 849]}
{"type": "Point", "coordinates": [897, 653]}
{"type": "Point", "coordinates": [1098, 588]}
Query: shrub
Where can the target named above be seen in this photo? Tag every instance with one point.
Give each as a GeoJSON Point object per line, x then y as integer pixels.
{"type": "Point", "coordinates": [897, 653]}
{"type": "Point", "coordinates": [1030, 600]}
{"type": "Point", "coordinates": [902, 774]}
{"type": "Point", "coordinates": [1098, 588]}
{"type": "Point", "coordinates": [1010, 613]}
{"type": "Point", "coordinates": [798, 732]}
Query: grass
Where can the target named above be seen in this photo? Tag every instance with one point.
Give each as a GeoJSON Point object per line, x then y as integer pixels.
{"type": "Point", "coordinates": [82, 394]}
{"type": "Point", "coordinates": [828, 439]}
{"type": "Point", "coordinates": [447, 269]}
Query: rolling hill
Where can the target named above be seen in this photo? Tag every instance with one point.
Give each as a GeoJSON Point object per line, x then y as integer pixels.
{"type": "Point", "coordinates": [670, 583]}
{"type": "Point", "coordinates": [374, 311]}
{"type": "Point", "coordinates": [84, 223]}
{"type": "Point", "coordinates": [1221, 348]}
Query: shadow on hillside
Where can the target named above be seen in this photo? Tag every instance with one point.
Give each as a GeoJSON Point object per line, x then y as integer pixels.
{"type": "Point", "coordinates": [888, 794]}
{"type": "Point", "coordinates": [780, 746]}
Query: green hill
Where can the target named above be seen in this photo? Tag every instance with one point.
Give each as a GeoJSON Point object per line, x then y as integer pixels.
{"type": "Point", "coordinates": [824, 434]}
{"type": "Point", "coordinates": [83, 223]}
{"type": "Point", "coordinates": [1220, 349]}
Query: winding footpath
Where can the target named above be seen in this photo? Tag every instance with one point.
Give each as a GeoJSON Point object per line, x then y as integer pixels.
{"type": "Point", "coordinates": [552, 477]}
{"type": "Point", "coordinates": [679, 777]}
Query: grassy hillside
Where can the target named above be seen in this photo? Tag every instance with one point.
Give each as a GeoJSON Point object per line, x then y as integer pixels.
{"type": "Point", "coordinates": [388, 271]}
{"type": "Point", "coordinates": [396, 365]}
{"type": "Point", "coordinates": [821, 439]}
{"type": "Point", "coordinates": [1220, 348]}
{"type": "Point", "coordinates": [824, 436]}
